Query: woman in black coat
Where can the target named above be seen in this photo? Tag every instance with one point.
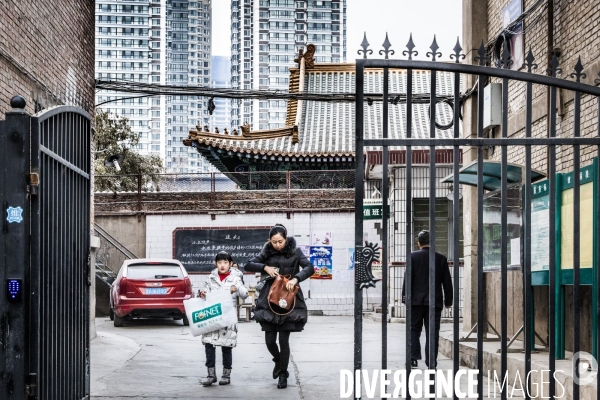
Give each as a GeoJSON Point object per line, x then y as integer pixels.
{"type": "Point", "coordinates": [280, 256]}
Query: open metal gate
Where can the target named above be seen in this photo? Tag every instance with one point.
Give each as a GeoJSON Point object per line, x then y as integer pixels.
{"type": "Point", "coordinates": [45, 245]}
{"type": "Point", "coordinates": [570, 145]}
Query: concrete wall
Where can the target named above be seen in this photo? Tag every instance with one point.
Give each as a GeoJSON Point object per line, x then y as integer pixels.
{"type": "Point", "coordinates": [127, 229]}
{"type": "Point", "coordinates": [331, 297]}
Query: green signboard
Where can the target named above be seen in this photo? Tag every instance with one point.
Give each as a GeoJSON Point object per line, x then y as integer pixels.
{"type": "Point", "coordinates": [566, 241]}
{"type": "Point", "coordinates": [373, 209]}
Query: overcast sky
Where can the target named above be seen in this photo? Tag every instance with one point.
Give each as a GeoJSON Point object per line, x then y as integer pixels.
{"type": "Point", "coordinates": [398, 18]}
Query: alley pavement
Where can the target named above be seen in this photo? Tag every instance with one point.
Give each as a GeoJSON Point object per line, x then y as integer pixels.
{"type": "Point", "coordinates": [160, 359]}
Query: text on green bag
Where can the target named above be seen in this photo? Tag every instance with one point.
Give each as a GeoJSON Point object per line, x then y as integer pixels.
{"type": "Point", "coordinates": [206, 313]}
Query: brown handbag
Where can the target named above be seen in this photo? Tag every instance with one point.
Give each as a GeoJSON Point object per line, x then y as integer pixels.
{"type": "Point", "coordinates": [281, 297]}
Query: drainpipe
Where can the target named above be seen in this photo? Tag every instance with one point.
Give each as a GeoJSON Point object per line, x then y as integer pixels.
{"type": "Point", "coordinates": [550, 54]}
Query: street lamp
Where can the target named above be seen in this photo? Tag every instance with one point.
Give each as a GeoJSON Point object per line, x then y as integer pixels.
{"type": "Point", "coordinates": [114, 161]}
{"type": "Point", "coordinates": [450, 195]}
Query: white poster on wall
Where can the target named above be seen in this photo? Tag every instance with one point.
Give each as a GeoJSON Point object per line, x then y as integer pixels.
{"type": "Point", "coordinates": [320, 238]}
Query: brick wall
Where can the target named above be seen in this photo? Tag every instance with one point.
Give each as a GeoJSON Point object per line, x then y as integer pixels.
{"type": "Point", "coordinates": [47, 53]}
{"type": "Point", "coordinates": [576, 33]}
{"type": "Point", "coordinates": [250, 200]}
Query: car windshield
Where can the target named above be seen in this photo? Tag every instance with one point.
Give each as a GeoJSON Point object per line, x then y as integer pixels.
{"type": "Point", "coordinates": [154, 271]}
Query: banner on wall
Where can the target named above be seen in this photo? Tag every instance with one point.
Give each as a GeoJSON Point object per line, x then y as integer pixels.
{"type": "Point", "coordinates": [351, 259]}
{"type": "Point", "coordinates": [305, 250]}
{"type": "Point", "coordinates": [321, 238]}
{"type": "Point", "coordinates": [377, 270]}
{"type": "Point", "coordinates": [321, 259]}
{"type": "Point", "coordinates": [510, 13]}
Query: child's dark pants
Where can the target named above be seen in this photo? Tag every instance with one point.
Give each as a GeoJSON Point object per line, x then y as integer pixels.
{"type": "Point", "coordinates": [211, 356]}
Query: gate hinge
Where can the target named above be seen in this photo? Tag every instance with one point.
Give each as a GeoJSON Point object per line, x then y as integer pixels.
{"type": "Point", "coordinates": [34, 181]}
{"type": "Point", "coordinates": [31, 386]}
{"type": "Point", "coordinates": [88, 270]}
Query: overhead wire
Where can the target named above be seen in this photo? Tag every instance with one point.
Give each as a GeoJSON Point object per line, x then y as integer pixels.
{"type": "Point", "coordinates": [149, 90]}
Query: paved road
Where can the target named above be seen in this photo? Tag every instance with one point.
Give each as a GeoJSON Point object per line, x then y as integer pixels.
{"type": "Point", "coordinates": [159, 359]}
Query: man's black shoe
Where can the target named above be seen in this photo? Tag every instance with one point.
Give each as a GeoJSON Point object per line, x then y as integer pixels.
{"type": "Point", "coordinates": [414, 364]}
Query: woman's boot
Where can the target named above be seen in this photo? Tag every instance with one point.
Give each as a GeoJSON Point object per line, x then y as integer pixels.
{"type": "Point", "coordinates": [225, 379]}
{"type": "Point", "coordinates": [276, 369]}
{"type": "Point", "coordinates": [210, 379]}
{"type": "Point", "coordinates": [282, 384]}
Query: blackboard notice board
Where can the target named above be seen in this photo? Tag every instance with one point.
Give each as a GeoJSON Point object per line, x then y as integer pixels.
{"type": "Point", "coordinates": [196, 248]}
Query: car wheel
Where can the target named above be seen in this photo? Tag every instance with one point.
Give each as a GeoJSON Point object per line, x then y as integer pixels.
{"type": "Point", "coordinates": [118, 321]}
{"type": "Point", "coordinates": [111, 314]}
{"type": "Point", "coordinates": [186, 321]}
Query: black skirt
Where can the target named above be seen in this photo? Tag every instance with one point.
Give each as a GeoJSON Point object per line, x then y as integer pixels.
{"type": "Point", "coordinates": [285, 327]}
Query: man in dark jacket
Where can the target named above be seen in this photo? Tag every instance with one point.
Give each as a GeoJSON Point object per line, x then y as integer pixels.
{"type": "Point", "coordinates": [419, 307]}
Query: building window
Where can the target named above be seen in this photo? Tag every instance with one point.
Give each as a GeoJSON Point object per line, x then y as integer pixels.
{"type": "Point", "coordinates": [443, 224]}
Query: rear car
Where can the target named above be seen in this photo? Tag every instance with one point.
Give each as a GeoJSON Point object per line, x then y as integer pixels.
{"type": "Point", "coordinates": [150, 288]}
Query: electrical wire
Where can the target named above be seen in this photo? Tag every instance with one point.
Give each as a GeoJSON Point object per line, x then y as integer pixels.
{"type": "Point", "coordinates": [147, 90]}
{"type": "Point", "coordinates": [512, 25]}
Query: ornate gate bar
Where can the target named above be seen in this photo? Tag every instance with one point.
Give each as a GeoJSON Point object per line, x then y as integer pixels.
{"type": "Point", "coordinates": [483, 72]}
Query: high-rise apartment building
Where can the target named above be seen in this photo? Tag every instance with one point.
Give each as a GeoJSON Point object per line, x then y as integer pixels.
{"type": "Point", "coordinates": [165, 42]}
{"type": "Point", "coordinates": [265, 38]}
{"type": "Point", "coordinates": [221, 78]}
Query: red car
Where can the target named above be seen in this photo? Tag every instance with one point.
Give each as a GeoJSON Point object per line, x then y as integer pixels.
{"type": "Point", "coordinates": [150, 288]}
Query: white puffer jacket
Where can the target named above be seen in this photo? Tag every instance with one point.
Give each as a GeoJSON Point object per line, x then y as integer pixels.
{"type": "Point", "coordinates": [226, 336]}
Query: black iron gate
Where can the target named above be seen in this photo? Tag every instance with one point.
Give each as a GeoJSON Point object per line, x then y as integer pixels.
{"type": "Point", "coordinates": [45, 190]}
{"type": "Point", "coordinates": [572, 142]}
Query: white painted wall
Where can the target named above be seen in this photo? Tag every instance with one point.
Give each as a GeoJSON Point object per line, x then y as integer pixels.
{"type": "Point", "coordinates": [332, 297]}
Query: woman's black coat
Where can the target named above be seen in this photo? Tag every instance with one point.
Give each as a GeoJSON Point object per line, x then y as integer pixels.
{"type": "Point", "coordinates": [290, 261]}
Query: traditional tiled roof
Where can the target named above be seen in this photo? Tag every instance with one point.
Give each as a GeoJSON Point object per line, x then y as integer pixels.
{"type": "Point", "coordinates": [292, 106]}
{"type": "Point", "coordinates": [327, 128]}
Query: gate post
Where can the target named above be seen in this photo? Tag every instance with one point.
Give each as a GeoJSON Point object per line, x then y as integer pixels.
{"type": "Point", "coordinates": [15, 144]}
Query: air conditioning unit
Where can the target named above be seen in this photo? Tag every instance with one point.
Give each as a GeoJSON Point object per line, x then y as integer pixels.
{"type": "Point", "coordinates": [492, 105]}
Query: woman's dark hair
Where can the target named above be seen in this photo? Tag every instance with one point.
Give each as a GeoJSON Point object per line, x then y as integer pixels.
{"type": "Point", "coordinates": [223, 255]}
{"type": "Point", "coordinates": [278, 228]}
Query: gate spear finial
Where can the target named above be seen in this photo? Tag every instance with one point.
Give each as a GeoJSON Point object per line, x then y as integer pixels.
{"type": "Point", "coordinates": [434, 50]}
{"type": "Point", "coordinates": [529, 61]}
{"type": "Point", "coordinates": [365, 47]}
{"type": "Point", "coordinates": [554, 65]}
{"type": "Point", "coordinates": [578, 74]}
{"type": "Point", "coordinates": [506, 61]}
{"type": "Point", "coordinates": [410, 46]}
{"type": "Point", "coordinates": [457, 49]}
{"type": "Point", "coordinates": [482, 57]}
{"type": "Point", "coordinates": [386, 46]}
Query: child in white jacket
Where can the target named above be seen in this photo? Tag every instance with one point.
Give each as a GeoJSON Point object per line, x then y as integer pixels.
{"type": "Point", "coordinates": [224, 277]}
